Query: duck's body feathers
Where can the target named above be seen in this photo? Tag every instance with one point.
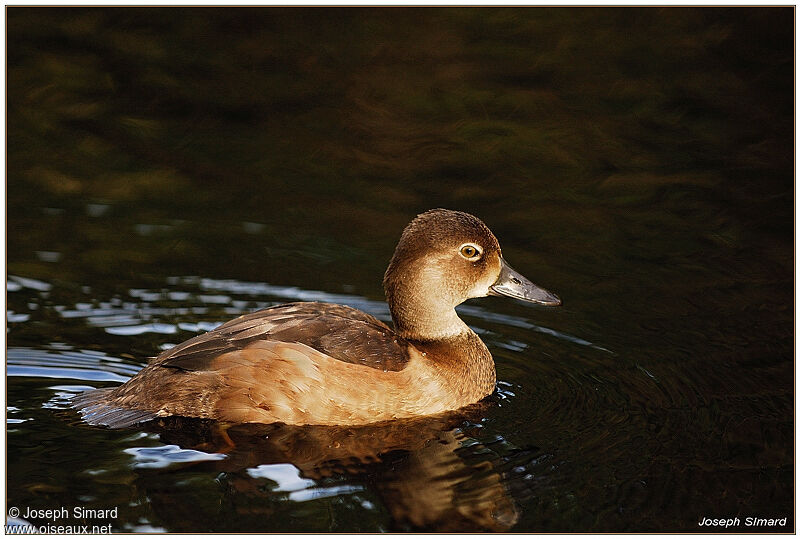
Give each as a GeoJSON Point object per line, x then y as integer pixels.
{"type": "Point", "coordinates": [341, 332]}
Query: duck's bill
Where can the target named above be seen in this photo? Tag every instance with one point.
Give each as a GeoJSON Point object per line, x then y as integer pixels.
{"type": "Point", "coordinates": [512, 284]}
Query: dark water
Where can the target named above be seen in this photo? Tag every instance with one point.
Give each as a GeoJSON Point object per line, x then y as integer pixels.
{"type": "Point", "coordinates": [170, 169]}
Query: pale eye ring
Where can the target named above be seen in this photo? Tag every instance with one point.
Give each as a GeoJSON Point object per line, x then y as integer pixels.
{"type": "Point", "coordinates": [470, 251]}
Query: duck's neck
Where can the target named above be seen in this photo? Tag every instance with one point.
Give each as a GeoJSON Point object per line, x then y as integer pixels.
{"type": "Point", "coordinates": [463, 363]}
{"type": "Point", "coordinates": [427, 323]}
{"type": "Point", "coordinates": [425, 315]}
{"type": "Point", "coordinates": [422, 308]}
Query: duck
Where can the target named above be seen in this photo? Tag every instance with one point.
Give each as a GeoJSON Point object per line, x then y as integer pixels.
{"type": "Point", "coordinates": [314, 363]}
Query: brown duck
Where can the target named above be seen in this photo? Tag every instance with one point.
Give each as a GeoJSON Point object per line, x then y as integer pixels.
{"type": "Point", "coordinates": [325, 364]}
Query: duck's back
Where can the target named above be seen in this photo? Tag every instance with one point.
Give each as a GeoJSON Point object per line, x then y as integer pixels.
{"type": "Point", "coordinates": [338, 331]}
{"type": "Point", "coordinates": [296, 363]}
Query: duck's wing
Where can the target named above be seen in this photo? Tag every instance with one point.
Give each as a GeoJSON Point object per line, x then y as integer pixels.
{"type": "Point", "coordinates": [338, 331]}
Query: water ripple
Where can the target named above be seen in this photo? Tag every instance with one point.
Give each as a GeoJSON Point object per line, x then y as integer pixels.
{"type": "Point", "coordinates": [85, 365]}
{"type": "Point", "coordinates": [152, 309]}
{"type": "Point", "coordinates": [168, 455]}
{"type": "Point", "coordinates": [15, 283]}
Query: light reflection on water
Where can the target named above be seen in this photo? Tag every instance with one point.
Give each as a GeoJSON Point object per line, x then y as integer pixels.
{"type": "Point", "coordinates": [119, 317]}
{"type": "Point", "coordinates": [166, 455]}
{"type": "Point", "coordinates": [72, 365]}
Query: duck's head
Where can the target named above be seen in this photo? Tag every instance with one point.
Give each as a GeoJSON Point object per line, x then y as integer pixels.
{"type": "Point", "coordinates": [444, 258]}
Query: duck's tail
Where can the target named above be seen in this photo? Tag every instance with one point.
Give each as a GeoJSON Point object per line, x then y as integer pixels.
{"type": "Point", "coordinates": [98, 408]}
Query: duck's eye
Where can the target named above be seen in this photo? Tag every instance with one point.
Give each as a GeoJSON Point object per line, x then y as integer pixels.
{"type": "Point", "coordinates": [470, 251]}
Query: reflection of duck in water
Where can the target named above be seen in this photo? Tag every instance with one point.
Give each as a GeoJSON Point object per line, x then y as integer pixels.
{"type": "Point", "coordinates": [426, 473]}
{"type": "Point", "coordinates": [325, 364]}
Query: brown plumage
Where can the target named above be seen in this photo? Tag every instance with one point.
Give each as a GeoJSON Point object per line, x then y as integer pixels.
{"type": "Point", "coordinates": [325, 364]}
